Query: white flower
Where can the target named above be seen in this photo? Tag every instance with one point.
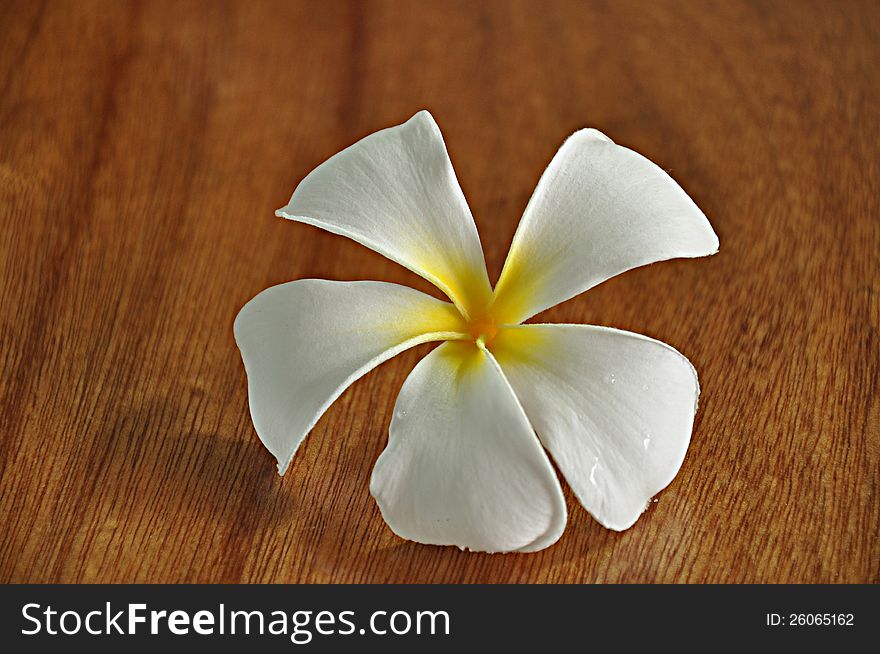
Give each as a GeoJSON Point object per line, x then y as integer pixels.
{"type": "Point", "coordinates": [463, 465]}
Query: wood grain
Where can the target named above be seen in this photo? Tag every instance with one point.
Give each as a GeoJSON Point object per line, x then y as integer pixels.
{"type": "Point", "coordinates": [145, 145]}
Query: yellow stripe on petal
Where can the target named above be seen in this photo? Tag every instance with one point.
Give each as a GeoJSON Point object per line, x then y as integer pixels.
{"type": "Point", "coordinates": [463, 282]}
{"type": "Point", "coordinates": [518, 345]}
{"type": "Point", "coordinates": [434, 317]}
{"type": "Point", "coordinates": [519, 285]}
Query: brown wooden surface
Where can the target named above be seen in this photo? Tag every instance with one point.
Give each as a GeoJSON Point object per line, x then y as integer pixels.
{"type": "Point", "coordinates": [144, 147]}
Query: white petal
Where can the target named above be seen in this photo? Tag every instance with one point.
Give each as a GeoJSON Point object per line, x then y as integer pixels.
{"type": "Point", "coordinates": [615, 410]}
{"type": "Point", "coordinates": [395, 192]}
{"type": "Point", "coordinates": [600, 209]}
{"type": "Point", "coordinates": [463, 466]}
{"type": "Point", "coordinates": [305, 342]}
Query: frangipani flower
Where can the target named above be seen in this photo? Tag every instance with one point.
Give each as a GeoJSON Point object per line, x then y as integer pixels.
{"type": "Point", "coordinates": [464, 464]}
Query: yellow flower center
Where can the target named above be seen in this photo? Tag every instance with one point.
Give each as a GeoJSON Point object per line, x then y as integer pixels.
{"type": "Point", "coordinates": [483, 329]}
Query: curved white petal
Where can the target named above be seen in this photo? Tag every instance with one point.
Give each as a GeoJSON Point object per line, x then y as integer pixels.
{"type": "Point", "coordinates": [463, 466]}
{"type": "Point", "coordinates": [305, 342]}
{"type": "Point", "coordinates": [615, 410]}
{"type": "Point", "coordinates": [395, 192]}
{"type": "Point", "coordinates": [600, 209]}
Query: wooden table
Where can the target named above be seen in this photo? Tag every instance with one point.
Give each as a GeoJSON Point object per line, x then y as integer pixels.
{"type": "Point", "coordinates": [145, 145]}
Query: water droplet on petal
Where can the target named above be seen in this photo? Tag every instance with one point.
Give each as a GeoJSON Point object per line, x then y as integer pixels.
{"type": "Point", "coordinates": [593, 471]}
{"type": "Point", "coordinates": [647, 440]}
